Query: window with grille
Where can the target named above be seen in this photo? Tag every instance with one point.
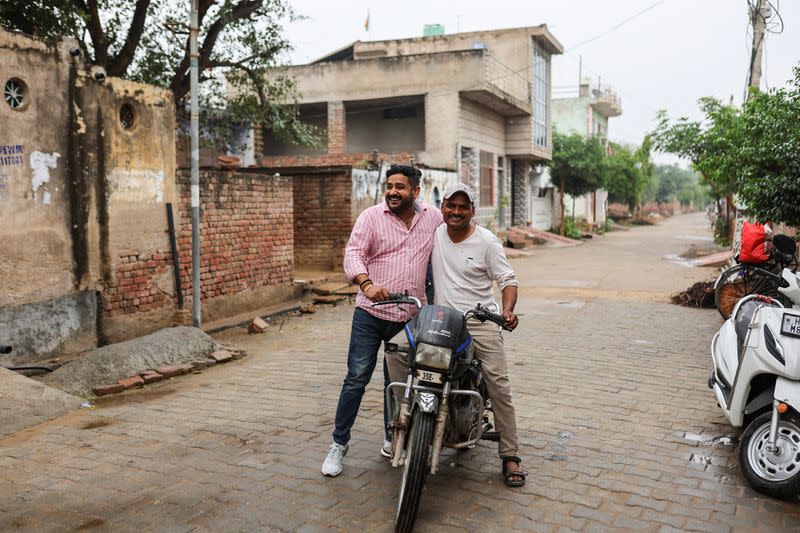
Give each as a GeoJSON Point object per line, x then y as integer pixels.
{"type": "Point", "coordinates": [487, 179]}
{"type": "Point", "coordinates": [539, 95]}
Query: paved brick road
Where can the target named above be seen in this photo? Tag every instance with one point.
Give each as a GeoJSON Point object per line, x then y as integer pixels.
{"type": "Point", "coordinates": [618, 429]}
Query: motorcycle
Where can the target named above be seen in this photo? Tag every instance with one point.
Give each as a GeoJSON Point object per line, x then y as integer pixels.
{"type": "Point", "coordinates": [443, 401]}
{"type": "Point", "coordinates": [756, 381]}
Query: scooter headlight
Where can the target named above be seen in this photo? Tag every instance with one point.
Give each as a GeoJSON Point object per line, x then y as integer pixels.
{"type": "Point", "coordinates": [433, 356]}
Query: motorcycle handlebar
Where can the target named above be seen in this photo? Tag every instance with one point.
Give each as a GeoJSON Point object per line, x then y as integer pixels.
{"type": "Point", "coordinates": [777, 277]}
{"type": "Point", "coordinates": [482, 314]}
{"type": "Point", "coordinates": [397, 298]}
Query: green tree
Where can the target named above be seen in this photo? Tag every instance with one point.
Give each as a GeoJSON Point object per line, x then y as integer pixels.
{"type": "Point", "coordinates": [753, 151]}
{"type": "Point", "coordinates": [673, 183]}
{"type": "Point", "coordinates": [577, 165]}
{"type": "Point", "coordinates": [765, 163]}
{"type": "Point", "coordinates": [148, 41]}
{"type": "Point", "coordinates": [628, 173]}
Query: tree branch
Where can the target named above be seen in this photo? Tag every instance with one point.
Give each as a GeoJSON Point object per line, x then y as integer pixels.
{"type": "Point", "coordinates": [182, 70]}
{"type": "Point", "coordinates": [119, 65]}
{"type": "Point", "coordinates": [180, 83]}
{"type": "Point", "coordinates": [98, 36]}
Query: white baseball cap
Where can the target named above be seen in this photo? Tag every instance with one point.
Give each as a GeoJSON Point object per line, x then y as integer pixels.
{"type": "Point", "coordinates": [460, 187]}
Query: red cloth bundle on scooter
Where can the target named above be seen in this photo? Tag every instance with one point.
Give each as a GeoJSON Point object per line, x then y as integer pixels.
{"type": "Point", "coordinates": [753, 249]}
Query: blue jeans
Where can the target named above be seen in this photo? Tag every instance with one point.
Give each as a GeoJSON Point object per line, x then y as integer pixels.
{"type": "Point", "coordinates": [366, 336]}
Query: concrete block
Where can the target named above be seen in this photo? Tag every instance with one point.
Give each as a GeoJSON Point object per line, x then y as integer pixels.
{"type": "Point", "coordinates": [258, 325]}
{"type": "Point", "coordinates": [326, 289]}
{"type": "Point", "coordinates": [222, 356]}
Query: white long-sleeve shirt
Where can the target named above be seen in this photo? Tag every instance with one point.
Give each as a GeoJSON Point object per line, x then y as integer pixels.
{"type": "Point", "coordinates": [463, 273]}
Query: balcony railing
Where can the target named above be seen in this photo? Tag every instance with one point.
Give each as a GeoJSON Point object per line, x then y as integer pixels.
{"type": "Point", "coordinates": [505, 79]}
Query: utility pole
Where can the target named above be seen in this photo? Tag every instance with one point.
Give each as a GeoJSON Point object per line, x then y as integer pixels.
{"type": "Point", "coordinates": [194, 30]}
{"type": "Point", "coordinates": [759, 12]}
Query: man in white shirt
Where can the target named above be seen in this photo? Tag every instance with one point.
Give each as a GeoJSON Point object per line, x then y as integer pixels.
{"type": "Point", "coordinates": [467, 260]}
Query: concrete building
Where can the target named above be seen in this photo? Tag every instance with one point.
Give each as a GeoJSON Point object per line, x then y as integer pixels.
{"type": "Point", "coordinates": [587, 115]}
{"type": "Point", "coordinates": [471, 106]}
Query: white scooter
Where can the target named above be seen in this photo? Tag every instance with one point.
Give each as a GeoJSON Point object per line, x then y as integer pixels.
{"type": "Point", "coordinates": [756, 379]}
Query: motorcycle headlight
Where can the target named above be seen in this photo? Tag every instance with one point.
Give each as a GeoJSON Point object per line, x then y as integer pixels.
{"type": "Point", "coordinates": [433, 356]}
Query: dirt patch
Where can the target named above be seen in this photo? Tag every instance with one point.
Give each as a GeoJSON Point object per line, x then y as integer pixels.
{"type": "Point", "coordinates": [701, 294]}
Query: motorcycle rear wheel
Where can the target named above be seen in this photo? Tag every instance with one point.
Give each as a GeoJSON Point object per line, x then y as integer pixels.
{"type": "Point", "coordinates": [774, 474]}
{"type": "Point", "coordinates": [415, 470]}
{"type": "Point", "coordinates": [739, 281]}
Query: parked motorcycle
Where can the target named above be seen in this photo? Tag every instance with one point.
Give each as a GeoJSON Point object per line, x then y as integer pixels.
{"type": "Point", "coordinates": [443, 401]}
{"type": "Point", "coordinates": [756, 380]}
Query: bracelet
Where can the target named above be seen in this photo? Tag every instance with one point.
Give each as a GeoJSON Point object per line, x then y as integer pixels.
{"type": "Point", "coordinates": [361, 286]}
{"type": "Point", "coordinates": [365, 289]}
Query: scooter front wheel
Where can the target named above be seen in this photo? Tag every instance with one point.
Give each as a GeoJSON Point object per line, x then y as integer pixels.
{"type": "Point", "coordinates": [775, 473]}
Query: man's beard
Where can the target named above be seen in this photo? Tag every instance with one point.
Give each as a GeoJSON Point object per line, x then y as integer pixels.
{"type": "Point", "coordinates": [404, 204]}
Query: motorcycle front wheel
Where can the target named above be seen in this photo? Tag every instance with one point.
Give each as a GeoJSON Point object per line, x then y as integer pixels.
{"type": "Point", "coordinates": [415, 470]}
{"type": "Point", "coordinates": [774, 473]}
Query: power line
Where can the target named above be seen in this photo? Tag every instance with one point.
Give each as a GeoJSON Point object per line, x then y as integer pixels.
{"type": "Point", "coordinates": [643, 11]}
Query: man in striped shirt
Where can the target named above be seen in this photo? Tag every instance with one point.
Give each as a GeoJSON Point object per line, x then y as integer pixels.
{"type": "Point", "coordinates": [388, 252]}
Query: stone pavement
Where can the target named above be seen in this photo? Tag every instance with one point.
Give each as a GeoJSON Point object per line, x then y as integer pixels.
{"type": "Point", "coordinates": [617, 428]}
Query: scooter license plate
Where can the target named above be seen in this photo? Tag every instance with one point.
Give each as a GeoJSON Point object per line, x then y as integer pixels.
{"type": "Point", "coordinates": [790, 325]}
{"type": "Point", "coordinates": [428, 376]}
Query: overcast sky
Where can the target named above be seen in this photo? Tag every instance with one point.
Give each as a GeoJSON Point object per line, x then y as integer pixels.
{"type": "Point", "coordinates": [665, 55]}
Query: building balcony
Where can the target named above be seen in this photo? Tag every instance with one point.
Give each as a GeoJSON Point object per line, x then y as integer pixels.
{"type": "Point", "coordinates": [499, 88]}
{"type": "Point", "coordinates": [605, 101]}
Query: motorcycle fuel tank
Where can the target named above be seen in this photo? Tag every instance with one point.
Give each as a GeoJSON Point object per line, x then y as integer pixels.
{"type": "Point", "coordinates": [438, 325]}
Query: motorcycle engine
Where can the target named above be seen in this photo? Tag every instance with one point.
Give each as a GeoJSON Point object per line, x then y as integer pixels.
{"type": "Point", "coordinates": [466, 414]}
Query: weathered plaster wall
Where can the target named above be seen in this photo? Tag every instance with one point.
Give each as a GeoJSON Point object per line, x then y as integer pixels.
{"type": "Point", "coordinates": [79, 195]}
{"type": "Point", "coordinates": [139, 170]}
{"type": "Point", "coordinates": [571, 115]}
{"type": "Point", "coordinates": [36, 254]}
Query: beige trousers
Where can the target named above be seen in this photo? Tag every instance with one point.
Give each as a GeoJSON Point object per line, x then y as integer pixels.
{"type": "Point", "coordinates": [489, 350]}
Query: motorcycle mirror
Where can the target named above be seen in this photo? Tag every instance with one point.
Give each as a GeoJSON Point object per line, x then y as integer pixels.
{"type": "Point", "coordinates": [784, 244]}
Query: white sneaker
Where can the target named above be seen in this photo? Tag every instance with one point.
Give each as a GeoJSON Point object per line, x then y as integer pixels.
{"type": "Point", "coordinates": [332, 466]}
{"type": "Point", "coordinates": [386, 451]}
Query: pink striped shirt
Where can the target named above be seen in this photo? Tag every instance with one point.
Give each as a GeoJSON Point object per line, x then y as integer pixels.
{"type": "Point", "coordinates": [392, 255]}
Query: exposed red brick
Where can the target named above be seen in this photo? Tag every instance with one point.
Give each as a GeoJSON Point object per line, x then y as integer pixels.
{"type": "Point", "coordinates": [169, 371]}
{"type": "Point", "coordinates": [105, 390]}
{"type": "Point", "coordinates": [131, 382]}
{"type": "Point", "coordinates": [151, 376]}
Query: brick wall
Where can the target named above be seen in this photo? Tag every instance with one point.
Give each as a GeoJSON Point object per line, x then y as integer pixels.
{"type": "Point", "coordinates": [246, 232]}
{"type": "Point", "coordinates": [358, 160]}
{"type": "Point", "coordinates": [134, 285]}
{"type": "Point", "coordinates": [336, 127]}
{"type": "Point", "coordinates": [322, 218]}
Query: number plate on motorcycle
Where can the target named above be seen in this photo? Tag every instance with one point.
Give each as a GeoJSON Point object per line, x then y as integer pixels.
{"type": "Point", "coordinates": [427, 376]}
{"type": "Point", "coordinates": [790, 325]}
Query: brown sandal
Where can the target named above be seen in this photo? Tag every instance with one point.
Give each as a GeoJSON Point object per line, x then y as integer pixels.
{"type": "Point", "coordinates": [510, 474]}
